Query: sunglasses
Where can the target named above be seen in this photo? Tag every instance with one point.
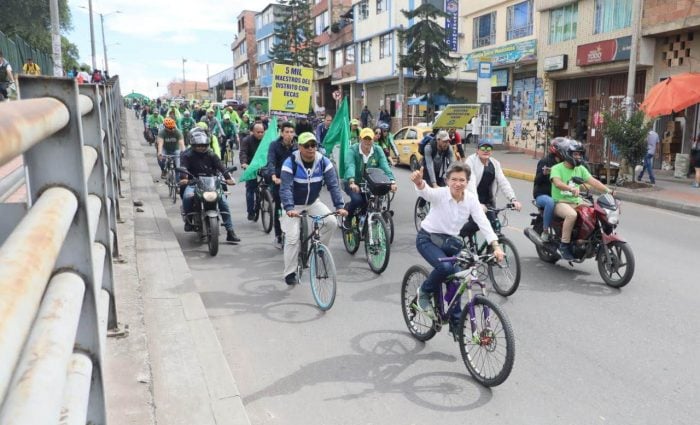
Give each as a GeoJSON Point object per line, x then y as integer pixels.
{"type": "Point", "coordinates": [309, 146]}
{"type": "Point", "coordinates": [486, 148]}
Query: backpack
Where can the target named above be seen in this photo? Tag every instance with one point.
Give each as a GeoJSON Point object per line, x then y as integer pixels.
{"type": "Point", "coordinates": [3, 72]}
{"type": "Point", "coordinates": [428, 138]}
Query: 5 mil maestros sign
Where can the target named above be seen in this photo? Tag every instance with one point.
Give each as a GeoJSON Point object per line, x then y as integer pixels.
{"type": "Point", "coordinates": [291, 90]}
{"type": "Point", "coordinates": [604, 51]}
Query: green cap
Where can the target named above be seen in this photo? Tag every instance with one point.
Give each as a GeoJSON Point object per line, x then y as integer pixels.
{"type": "Point", "coordinates": [305, 138]}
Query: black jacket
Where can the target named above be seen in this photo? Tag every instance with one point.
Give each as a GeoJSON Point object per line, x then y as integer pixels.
{"type": "Point", "coordinates": [543, 186]}
{"type": "Point", "coordinates": [206, 164]}
{"type": "Point", "coordinates": [276, 155]}
{"type": "Point", "coordinates": [249, 145]}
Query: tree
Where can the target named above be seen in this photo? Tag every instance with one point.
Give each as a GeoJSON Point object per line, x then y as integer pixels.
{"type": "Point", "coordinates": [629, 135]}
{"type": "Point", "coordinates": [295, 34]}
{"type": "Point", "coordinates": [31, 20]}
{"type": "Point", "coordinates": [427, 51]}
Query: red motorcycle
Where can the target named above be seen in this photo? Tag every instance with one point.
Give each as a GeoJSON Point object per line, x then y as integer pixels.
{"type": "Point", "coordinates": [594, 235]}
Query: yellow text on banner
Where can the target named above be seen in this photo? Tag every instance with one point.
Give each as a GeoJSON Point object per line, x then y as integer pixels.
{"type": "Point", "coordinates": [456, 116]}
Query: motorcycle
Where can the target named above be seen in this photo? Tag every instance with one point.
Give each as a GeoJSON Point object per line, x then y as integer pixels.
{"type": "Point", "coordinates": [204, 218]}
{"type": "Point", "coordinates": [594, 235]}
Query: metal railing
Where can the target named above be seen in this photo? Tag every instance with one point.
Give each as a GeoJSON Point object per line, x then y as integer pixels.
{"type": "Point", "coordinates": [56, 276]}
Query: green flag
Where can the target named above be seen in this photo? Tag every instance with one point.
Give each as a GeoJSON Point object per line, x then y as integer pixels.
{"type": "Point", "coordinates": [260, 157]}
{"type": "Point", "coordinates": [339, 133]}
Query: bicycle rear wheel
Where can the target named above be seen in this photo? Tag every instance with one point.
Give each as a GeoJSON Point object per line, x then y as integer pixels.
{"type": "Point", "coordinates": [378, 251]}
{"type": "Point", "coordinates": [420, 211]}
{"type": "Point", "coordinates": [418, 323]}
{"type": "Point", "coordinates": [266, 211]}
{"type": "Point", "coordinates": [351, 237]}
{"type": "Point", "coordinates": [489, 351]}
{"type": "Point", "coordinates": [505, 276]}
{"type": "Point", "coordinates": [322, 277]}
{"type": "Point", "coordinates": [256, 204]}
{"type": "Point", "coordinates": [389, 220]}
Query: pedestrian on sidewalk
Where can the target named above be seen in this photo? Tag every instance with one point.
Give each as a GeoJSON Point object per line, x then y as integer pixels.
{"type": "Point", "coordinates": [30, 68]}
{"type": "Point", "coordinates": [652, 144]}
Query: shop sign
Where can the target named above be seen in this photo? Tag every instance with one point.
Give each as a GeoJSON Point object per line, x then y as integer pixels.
{"type": "Point", "coordinates": [524, 51]}
{"type": "Point", "coordinates": [507, 106]}
{"type": "Point", "coordinates": [456, 116]}
{"type": "Point", "coordinates": [499, 78]}
{"type": "Point", "coordinates": [451, 31]}
{"type": "Point", "coordinates": [604, 51]}
{"type": "Point", "coordinates": [556, 63]}
{"type": "Point", "coordinates": [291, 90]}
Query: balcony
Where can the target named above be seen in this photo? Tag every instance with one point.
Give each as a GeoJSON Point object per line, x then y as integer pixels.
{"type": "Point", "coordinates": [341, 38]}
{"type": "Point", "coordinates": [518, 32]}
{"type": "Point", "coordinates": [345, 71]}
{"type": "Point", "coordinates": [484, 41]}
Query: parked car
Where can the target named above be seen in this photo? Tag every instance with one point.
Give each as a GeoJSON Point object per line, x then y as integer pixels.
{"type": "Point", "coordinates": [407, 140]}
{"type": "Point", "coordinates": [231, 102]}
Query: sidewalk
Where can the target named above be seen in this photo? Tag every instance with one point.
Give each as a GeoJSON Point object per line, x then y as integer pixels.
{"type": "Point", "coordinates": [170, 369]}
{"type": "Point", "coordinates": [669, 193]}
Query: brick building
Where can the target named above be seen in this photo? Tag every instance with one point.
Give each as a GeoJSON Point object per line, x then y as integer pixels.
{"type": "Point", "coordinates": [190, 90]}
{"type": "Point", "coordinates": [244, 55]}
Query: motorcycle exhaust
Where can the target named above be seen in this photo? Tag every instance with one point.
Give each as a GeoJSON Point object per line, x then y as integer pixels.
{"type": "Point", "coordinates": [534, 237]}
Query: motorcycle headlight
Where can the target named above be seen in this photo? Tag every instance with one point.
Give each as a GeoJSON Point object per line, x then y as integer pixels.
{"type": "Point", "coordinates": [613, 216]}
{"type": "Point", "coordinates": [209, 196]}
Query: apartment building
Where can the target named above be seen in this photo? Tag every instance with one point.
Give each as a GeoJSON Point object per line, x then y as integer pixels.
{"type": "Point", "coordinates": [342, 51]}
{"type": "Point", "coordinates": [265, 38]}
{"type": "Point", "coordinates": [244, 48]}
{"type": "Point", "coordinates": [674, 30]}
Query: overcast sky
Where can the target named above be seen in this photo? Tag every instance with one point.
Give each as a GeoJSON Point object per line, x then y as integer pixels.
{"type": "Point", "coordinates": [154, 35]}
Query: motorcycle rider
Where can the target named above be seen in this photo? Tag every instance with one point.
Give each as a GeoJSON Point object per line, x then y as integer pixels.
{"type": "Point", "coordinates": [542, 188]}
{"type": "Point", "coordinates": [200, 161]}
{"type": "Point", "coordinates": [169, 139]}
{"type": "Point", "coordinates": [566, 193]}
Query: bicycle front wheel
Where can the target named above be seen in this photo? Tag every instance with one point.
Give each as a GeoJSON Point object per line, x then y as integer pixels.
{"type": "Point", "coordinates": [378, 249]}
{"type": "Point", "coordinates": [172, 185]}
{"type": "Point", "coordinates": [389, 220]}
{"type": "Point", "coordinates": [488, 350]}
{"type": "Point", "coordinates": [266, 211]}
{"type": "Point", "coordinates": [351, 237]}
{"type": "Point", "coordinates": [418, 323]}
{"type": "Point", "coordinates": [505, 275]}
{"type": "Point", "coordinates": [322, 277]}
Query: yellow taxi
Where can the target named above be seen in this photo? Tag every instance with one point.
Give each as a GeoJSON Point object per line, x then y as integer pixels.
{"type": "Point", "coordinates": [407, 140]}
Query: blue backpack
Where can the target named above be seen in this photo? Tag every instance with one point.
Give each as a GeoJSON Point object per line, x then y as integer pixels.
{"type": "Point", "coordinates": [428, 138]}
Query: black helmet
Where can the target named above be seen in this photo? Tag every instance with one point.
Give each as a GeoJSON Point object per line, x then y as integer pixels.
{"type": "Point", "coordinates": [198, 137]}
{"type": "Point", "coordinates": [566, 149]}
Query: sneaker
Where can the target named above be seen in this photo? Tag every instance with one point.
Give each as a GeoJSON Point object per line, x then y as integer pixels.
{"type": "Point", "coordinates": [424, 305]}
{"type": "Point", "coordinates": [278, 242]}
{"type": "Point", "coordinates": [251, 217]}
{"type": "Point", "coordinates": [454, 329]}
{"type": "Point", "coordinates": [545, 236]}
{"type": "Point", "coordinates": [231, 236]}
{"type": "Point", "coordinates": [695, 185]}
{"type": "Point", "coordinates": [291, 279]}
{"type": "Point", "coordinates": [163, 174]}
{"type": "Point", "coordinates": [565, 251]}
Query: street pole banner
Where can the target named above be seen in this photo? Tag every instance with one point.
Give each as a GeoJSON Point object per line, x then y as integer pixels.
{"type": "Point", "coordinates": [456, 116]}
{"type": "Point", "coordinates": [291, 90]}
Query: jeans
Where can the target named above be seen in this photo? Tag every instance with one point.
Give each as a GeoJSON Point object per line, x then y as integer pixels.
{"type": "Point", "coordinates": [250, 187]}
{"type": "Point", "coordinates": [357, 200]}
{"type": "Point", "coordinates": [648, 166]}
{"type": "Point", "coordinates": [470, 227]}
{"type": "Point", "coordinates": [275, 191]}
{"type": "Point", "coordinates": [547, 203]}
{"type": "Point", "coordinates": [292, 230]}
{"type": "Point", "coordinates": [431, 253]}
{"type": "Point", "coordinates": [188, 205]}
{"type": "Point", "coordinates": [163, 162]}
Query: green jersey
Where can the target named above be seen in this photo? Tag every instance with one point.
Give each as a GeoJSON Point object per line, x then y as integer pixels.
{"type": "Point", "coordinates": [170, 139]}
{"type": "Point", "coordinates": [565, 174]}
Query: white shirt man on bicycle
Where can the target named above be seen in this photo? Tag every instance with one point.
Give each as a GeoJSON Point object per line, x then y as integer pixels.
{"type": "Point", "coordinates": [303, 175]}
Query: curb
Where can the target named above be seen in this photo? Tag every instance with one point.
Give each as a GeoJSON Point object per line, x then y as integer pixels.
{"type": "Point", "coordinates": [626, 196]}
{"type": "Point", "coordinates": [192, 381]}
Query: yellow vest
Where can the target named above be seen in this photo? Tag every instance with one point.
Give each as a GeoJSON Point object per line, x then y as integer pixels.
{"type": "Point", "coordinates": [31, 69]}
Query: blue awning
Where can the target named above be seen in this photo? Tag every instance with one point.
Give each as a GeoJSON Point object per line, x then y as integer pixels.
{"type": "Point", "coordinates": [438, 100]}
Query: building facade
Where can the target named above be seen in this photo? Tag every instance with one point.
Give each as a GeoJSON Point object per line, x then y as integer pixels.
{"type": "Point", "coordinates": [265, 38]}
{"type": "Point", "coordinates": [188, 90]}
{"type": "Point", "coordinates": [343, 53]}
{"type": "Point", "coordinates": [244, 48]}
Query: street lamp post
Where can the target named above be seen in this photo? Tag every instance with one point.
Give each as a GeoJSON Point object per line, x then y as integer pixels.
{"type": "Point", "coordinates": [92, 36]}
{"type": "Point", "coordinates": [104, 43]}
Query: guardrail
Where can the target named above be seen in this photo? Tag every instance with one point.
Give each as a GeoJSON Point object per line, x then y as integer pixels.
{"type": "Point", "coordinates": [56, 276]}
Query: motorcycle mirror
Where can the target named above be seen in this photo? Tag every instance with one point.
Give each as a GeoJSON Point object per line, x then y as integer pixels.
{"type": "Point", "coordinates": [578, 180]}
{"type": "Point", "coordinates": [230, 169]}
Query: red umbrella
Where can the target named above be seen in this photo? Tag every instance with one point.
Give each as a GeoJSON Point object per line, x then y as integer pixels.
{"type": "Point", "coordinates": [673, 95]}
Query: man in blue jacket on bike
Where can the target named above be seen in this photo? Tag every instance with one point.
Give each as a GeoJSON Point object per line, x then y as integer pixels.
{"type": "Point", "coordinates": [303, 175]}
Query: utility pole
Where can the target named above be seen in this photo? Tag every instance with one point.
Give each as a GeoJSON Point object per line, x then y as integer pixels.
{"type": "Point", "coordinates": [183, 78]}
{"type": "Point", "coordinates": [634, 48]}
{"type": "Point", "coordinates": [92, 36]}
{"type": "Point", "coordinates": [104, 43]}
{"type": "Point", "coordinates": [399, 110]}
{"type": "Point", "coordinates": [55, 40]}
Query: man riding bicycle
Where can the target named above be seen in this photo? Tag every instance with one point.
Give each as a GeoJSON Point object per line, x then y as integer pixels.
{"type": "Point", "coordinates": [487, 179]}
{"type": "Point", "coordinates": [303, 175]}
{"type": "Point", "coordinates": [437, 158]}
{"type": "Point", "coordinates": [187, 123]}
{"type": "Point", "coordinates": [155, 120]}
{"type": "Point", "coordinates": [437, 238]}
{"type": "Point", "coordinates": [201, 161]}
{"type": "Point", "coordinates": [361, 156]}
{"type": "Point", "coordinates": [170, 141]}
{"type": "Point", "coordinates": [277, 153]}
{"type": "Point", "coordinates": [230, 133]}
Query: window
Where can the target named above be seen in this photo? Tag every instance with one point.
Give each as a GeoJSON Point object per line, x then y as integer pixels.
{"type": "Point", "coordinates": [562, 23]}
{"type": "Point", "coordinates": [381, 6]}
{"type": "Point", "coordinates": [322, 55]}
{"type": "Point", "coordinates": [338, 58]}
{"type": "Point", "coordinates": [519, 22]}
{"type": "Point", "coordinates": [411, 134]}
{"type": "Point", "coordinates": [363, 7]}
{"type": "Point", "coordinates": [400, 135]}
{"type": "Point", "coordinates": [366, 51]}
{"type": "Point", "coordinates": [484, 30]}
{"type": "Point", "coordinates": [385, 45]}
{"type": "Point", "coordinates": [350, 54]}
{"type": "Point", "coordinates": [261, 48]}
{"type": "Point", "coordinates": [321, 22]}
{"type": "Point", "coordinates": [611, 15]}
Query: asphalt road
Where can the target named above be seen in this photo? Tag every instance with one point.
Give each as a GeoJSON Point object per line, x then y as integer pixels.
{"type": "Point", "coordinates": [586, 353]}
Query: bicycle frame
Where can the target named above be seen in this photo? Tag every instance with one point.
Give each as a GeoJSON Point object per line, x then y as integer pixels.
{"type": "Point", "coordinates": [374, 208]}
{"type": "Point", "coordinates": [497, 226]}
{"type": "Point", "coordinates": [314, 237]}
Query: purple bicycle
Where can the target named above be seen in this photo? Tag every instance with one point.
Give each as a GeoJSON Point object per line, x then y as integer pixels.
{"type": "Point", "coordinates": [484, 333]}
